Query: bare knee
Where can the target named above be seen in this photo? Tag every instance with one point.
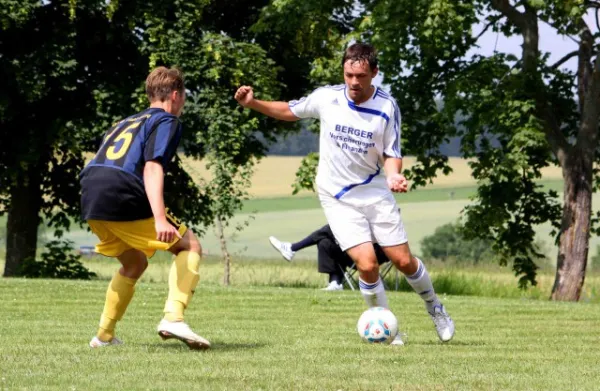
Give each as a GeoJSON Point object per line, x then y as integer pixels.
{"type": "Point", "coordinates": [140, 267]}
{"type": "Point", "coordinates": [407, 264]}
{"type": "Point", "coordinates": [134, 264]}
{"type": "Point", "coordinates": [189, 242]}
{"type": "Point", "coordinates": [369, 268]}
{"type": "Point", "coordinates": [404, 261]}
{"type": "Point", "coordinates": [195, 245]}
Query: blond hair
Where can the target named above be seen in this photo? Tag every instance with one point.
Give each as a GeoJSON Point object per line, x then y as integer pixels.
{"type": "Point", "coordinates": [163, 81]}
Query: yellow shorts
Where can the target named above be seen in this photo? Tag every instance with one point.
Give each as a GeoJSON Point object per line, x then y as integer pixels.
{"type": "Point", "coordinates": [116, 237]}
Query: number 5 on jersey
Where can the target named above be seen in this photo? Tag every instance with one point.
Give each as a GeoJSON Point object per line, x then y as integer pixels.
{"type": "Point", "coordinates": [114, 152]}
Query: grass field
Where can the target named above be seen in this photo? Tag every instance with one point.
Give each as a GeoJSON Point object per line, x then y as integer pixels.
{"type": "Point", "coordinates": [483, 280]}
{"type": "Point", "coordinates": [290, 339]}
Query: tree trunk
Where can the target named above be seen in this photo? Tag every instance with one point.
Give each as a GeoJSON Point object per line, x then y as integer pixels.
{"type": "Point", "coordinates": [575, 230]}
{"type": "Point", "coordinates": [23, 221]}
{"type": "Point", "coordinates": [226, 257]}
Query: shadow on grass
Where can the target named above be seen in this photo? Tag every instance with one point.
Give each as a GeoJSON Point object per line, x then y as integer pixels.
{"type": "Point", "coordinates": [449, 344]}
{"type": "Point", "coordinates": [215, 346]}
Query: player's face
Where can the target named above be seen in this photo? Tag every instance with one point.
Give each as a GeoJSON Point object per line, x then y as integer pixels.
{"type": "Point", "coordinates": [358, 76]}
{"type": "Point", "coordinates": [177, 102]}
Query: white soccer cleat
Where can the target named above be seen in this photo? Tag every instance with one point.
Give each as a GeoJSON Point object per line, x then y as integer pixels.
{"type": "Point", "coordinates": [97, 343]}
{"type": "Point", "coordinates": [285, 248]}
{"type": "Point", "coordinates": [182, 332]}
{"type": "Point", "coordinates": [334, 286]}
{"type": "Point", "coordinates": [443, 323]}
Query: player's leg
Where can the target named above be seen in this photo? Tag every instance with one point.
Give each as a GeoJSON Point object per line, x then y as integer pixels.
{"type": "Point", "coordinates": [120, 292]}
{"type": "Point", "coordinates": [183, 279]}
{"type": "Point", "coordinates": [353, 234]}
{"type": "Point", "coordinates": [183, 276]}
{"type": "Point", "coordinates": [389, 231]}
{"type": "Point", "coordinates": [369, 281]}
{"type": "Point", "coordinates": [122, 286]}
{"type": "Point", "coordinates": [419, 279]}
{"type": "Point", "coordinates": [327, 254]}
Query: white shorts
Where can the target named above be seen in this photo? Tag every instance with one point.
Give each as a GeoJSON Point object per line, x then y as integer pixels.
{"type": "Point", "coordinates": [352, 225]}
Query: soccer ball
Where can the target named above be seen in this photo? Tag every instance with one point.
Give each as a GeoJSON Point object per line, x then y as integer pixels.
{"type": "Point", "coordinates": [377, 325]}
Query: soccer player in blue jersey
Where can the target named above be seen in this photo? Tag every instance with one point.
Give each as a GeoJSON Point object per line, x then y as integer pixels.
{"type": "Point", "coordinates": [360, 165]}
{"type": "Point", "coordinates": [122, 201]}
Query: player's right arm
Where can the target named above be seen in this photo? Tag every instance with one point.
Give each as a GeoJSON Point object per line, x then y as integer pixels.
{"type": "Point", "coordinates": [278, 110]}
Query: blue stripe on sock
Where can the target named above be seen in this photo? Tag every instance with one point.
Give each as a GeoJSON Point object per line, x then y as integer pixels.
{"type": "Point", "coordinates": [425, 292]}
{"type": "Point", "coordinates": [418, 273]}
{"type": "Point", "coordinates": [365, 285]}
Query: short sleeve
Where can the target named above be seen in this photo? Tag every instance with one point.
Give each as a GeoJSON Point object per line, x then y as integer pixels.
{"type": "Point", "coordinates": [309, 106]}
{"type": "Point", "coordinates": [163, 140]}
{"type": "Point", "coordinates": [391, 136]}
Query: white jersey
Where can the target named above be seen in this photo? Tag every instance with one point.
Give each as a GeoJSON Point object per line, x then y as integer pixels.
{"type": "Point", "coordinates": [353, 142]}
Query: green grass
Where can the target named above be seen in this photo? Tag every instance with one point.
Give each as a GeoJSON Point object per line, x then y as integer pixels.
{"type": "Point", "coordinates": [453, 279]}
{"type": "Point", "coordinates": [290, 339]}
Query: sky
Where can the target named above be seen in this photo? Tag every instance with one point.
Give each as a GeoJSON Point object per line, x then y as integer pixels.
{"type": "Point", "coordinates": [550, 42]}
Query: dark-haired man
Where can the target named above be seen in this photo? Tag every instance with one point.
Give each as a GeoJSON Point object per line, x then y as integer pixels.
{"type": "Point", "coordinates": [359, 141]}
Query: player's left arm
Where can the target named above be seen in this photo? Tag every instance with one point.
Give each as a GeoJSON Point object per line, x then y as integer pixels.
{"type": "Point", "coordinates": [392, 164]}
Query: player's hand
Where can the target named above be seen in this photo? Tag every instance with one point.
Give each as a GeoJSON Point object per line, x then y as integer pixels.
{"type": "Point", "coordinates": [165, 232]}
{"type": "Point", "coordinates": [244, 95]}
{"type": "Point", "coordinates": [397, 183]}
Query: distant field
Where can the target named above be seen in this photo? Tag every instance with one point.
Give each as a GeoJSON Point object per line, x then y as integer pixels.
{"type": "Point", "coordinates": [427, 194]}
{"type": "Point", "coordinates": [274, 175]}
{"type": "Point", "coordinates": [420, 219]}
{"type": "Point", "coordinates": [293, 217]}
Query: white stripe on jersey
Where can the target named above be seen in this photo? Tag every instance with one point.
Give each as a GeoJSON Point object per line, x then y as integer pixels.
{"type": "Point", "coordinates": [353, 142]}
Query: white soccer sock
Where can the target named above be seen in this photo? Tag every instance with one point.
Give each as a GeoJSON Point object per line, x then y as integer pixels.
{"type": "Point", "coordinates": [421, 283]}
{"type": "Point", "coordinates": [374, 294]}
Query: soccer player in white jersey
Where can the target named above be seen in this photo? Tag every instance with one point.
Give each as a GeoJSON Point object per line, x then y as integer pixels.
{"type": "Point", "coordinates": [360, 166]}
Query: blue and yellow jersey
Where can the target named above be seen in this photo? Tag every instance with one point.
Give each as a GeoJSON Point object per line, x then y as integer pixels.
{"type": "Point", "coordinates": [112, 183]}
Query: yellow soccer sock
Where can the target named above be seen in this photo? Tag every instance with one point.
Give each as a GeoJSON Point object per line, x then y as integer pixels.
{"type": "Point", "coordinates": [183, 279]}
{"type": "Point", "coordinates": [118, 295]}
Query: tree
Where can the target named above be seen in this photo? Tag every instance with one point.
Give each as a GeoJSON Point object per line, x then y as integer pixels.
{"type": "Point", "coordinates": [54, 77]}
{"type": "Point", "coordinates": [518, 115]}
{"type": "Point", "coordinates": [524, 102]}
{"type": "Point", "coordinates": [448, 241]}
{"type": "Point", "coordinates": [59, 92]}
{"type": "Point", "coordinates": [223, 135]}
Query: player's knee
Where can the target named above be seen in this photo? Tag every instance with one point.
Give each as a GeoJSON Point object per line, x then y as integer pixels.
{"type": "Point", "coordinates": [189, 242]}
{"type": "Point", "coordinates": [143, 266]}
{"type": "Point", "coordinates": [194, 244]}
{"type": "Point", "coordinates": [136, 269]}
{"type": "Point", "coordinates": [404, 261]}
{"type": "Point", "coordinates": [369, 268]}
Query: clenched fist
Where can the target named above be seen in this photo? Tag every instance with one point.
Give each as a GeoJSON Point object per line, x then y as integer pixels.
{"type": "Point", "coordinates": [397, 183]}
{"type": "Point", "coordinates": [244, 95]}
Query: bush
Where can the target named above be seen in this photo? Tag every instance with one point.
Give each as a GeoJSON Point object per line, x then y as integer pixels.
{"type": "Point", "coordinates": [58, 261]}
{"type": "Point", "coordinates": [448, 242]}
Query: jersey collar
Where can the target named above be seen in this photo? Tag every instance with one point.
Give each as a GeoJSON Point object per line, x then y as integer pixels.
{"type": "Point", "coordinates": [351, 102]}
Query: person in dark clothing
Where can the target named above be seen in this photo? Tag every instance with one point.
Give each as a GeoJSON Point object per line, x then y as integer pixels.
{"type": "Point", "coordinates": [330, 257]}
